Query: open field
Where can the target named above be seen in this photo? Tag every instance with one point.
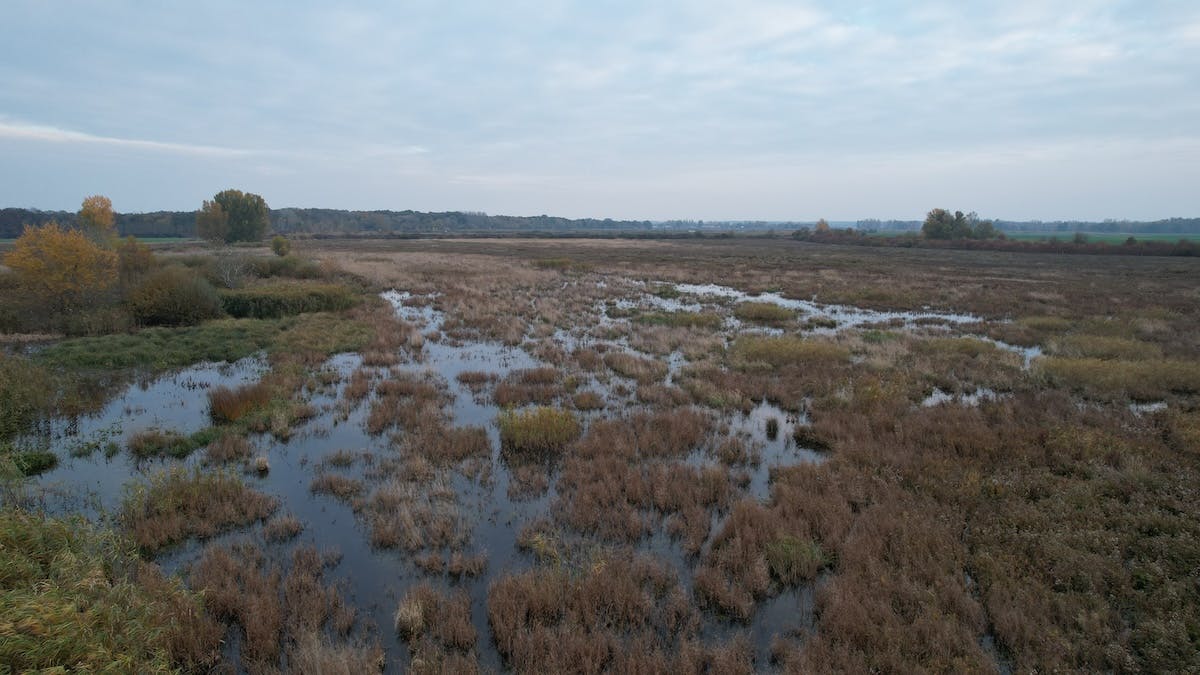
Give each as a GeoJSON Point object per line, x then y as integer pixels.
{"type": "Point", "coordinates": [700, 456]}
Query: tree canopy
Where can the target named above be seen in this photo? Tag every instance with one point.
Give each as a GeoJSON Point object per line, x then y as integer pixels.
{"type": "Point", "coordinates": [941, 224]}
{"type": "Point", "coordinates": [233, 215]}
{"type": "Point", "coordinates": [97, 219]}
{"type": "Point", "coordinates": [61, 266]}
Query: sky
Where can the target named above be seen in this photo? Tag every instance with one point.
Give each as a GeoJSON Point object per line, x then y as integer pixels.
{"type": "Point", "coordinates": [746, 110]}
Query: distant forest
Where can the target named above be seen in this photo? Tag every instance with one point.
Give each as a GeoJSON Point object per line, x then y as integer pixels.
{"type": "Point", "coordinates": [335, 222]}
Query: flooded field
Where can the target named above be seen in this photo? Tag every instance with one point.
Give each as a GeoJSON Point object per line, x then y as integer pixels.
{"type": "Point", "coordinates": [532, 466]}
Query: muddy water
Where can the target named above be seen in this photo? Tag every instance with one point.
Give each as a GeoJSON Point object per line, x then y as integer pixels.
{"type": "Point", "coordinates": [374, 580]}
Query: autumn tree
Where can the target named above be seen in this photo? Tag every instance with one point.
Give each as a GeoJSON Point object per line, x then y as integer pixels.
{"type": "Point", "coordinates": [822, 226]}
{"type": "Point", "coordinates": [233, 215]}
{"type": "Point", "coordinates": [61, 267]}
{"type": "Point", "coordinates": [97, 219]}
{"type": "Point", "coordinates": [212, 223]}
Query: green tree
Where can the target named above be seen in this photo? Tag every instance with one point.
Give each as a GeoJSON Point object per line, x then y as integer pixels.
{"type": "Point", "coordinates": [233, 215]}
{"type": "Point", "coordinates": [941, 224]}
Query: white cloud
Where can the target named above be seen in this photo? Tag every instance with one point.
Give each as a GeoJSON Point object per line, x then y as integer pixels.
{"type": "Point", "coordinates": [48, 134]}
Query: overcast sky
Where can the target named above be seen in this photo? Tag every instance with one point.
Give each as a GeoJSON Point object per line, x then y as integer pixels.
{"type": "Point", "coordinates": [622, 109]}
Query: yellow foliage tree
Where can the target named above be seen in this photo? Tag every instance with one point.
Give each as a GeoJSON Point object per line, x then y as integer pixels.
{"type": "Point", "coordinates": [97, 219]}
{"type": "Point", "coordinates": [61, 266]}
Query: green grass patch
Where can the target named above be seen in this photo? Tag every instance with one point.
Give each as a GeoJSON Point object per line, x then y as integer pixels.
{"type": "Point", "coordinates": [75, 598]}
{"type": "Point", "coordinates": [793, 560]}
{"type": "Point", "coordinates": [749, 351]}
{"type": "Point", "coordinates": [286, 299]}
{"type": "Point", "coordinates": [763, 312]}
{"type": "Point", "coordinates": [706, 320]}
{"type": "Point", "coordinates": [164, 348]}
{"type": "Point", "coordinates": [222, 340]}
{"type": "Point", "coordinates": [540, 430]}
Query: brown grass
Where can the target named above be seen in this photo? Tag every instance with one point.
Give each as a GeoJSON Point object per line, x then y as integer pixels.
{"type": "Point", "coordinates": [437, 627]}
{"type": "Point", "coordinates": [282, 528]}
{"type": "Point", "coordinates": [227, 406]}
{"type": "Point", "coordinates": [274, 610]}
{"type": "Point", "coordinates": [228, 448]}
{"type": "Point", "coordinates": [342, 487]}
{"type": "Point", "coordinates": [537, 431]}
{"type": "Point", "coordinates": [179, 504]}
{"type": "Point", "coordinates": [645, 371]}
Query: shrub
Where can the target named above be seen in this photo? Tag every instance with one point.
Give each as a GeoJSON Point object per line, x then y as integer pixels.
{"type": "Point", "coordinates": [280, 246]}
{"type": "Point", "coordinates": [60, 266]}
{"type": "Point", "coordinates": [277, 300]}
{"type": "Point", "coordinates": [134, 260]}
{"type": "Point", "coordinates": [763, 312]}
{"type": "Point", "coordinates": [173, 296]}
{"type": "Point", "coordinates": [74, 597]}
{"type": "Point", "coordinates": [537, 430]}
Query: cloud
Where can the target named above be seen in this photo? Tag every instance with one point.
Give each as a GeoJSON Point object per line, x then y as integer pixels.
{"type": "Point", "coordinates": [48, 134]}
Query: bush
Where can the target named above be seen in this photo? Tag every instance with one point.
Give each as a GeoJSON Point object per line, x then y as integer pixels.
{"type": "Point", "coordinates": [537, 430]}
{"type": "Point", "coordinates": [277, 300]}
{"type": "Point", "coordinates": [280, 246]}
{"type": "Point", "coordinates": [174, 296]}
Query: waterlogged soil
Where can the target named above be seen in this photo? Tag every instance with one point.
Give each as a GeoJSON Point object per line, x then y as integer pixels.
{"type": "Point", "coordinates": [94, 466]}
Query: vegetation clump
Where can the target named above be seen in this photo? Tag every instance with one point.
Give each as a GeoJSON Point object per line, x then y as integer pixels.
{"type": "Point", "coordinates": [76, 597]}
{"type": "Point", "coordinates": [174, 296]}
{"type": "Point", "coordinates": [226, 405]}
{"type": "Point", "coordinates": [763, 312]}
{"type": "Point", "coordinates": [539, 431]}
{"type": "Point", "coordinates": [749, 351]}
{"type": "Point", "coordinates": [285, 299]}
{"type": "Point", "coordinates": [177, 504]}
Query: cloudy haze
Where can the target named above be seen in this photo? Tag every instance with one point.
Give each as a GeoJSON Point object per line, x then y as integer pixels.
{"type": "Point", "coordinates": [713, 110]}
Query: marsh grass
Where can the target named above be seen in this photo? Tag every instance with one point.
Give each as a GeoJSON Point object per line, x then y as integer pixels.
{"type": "Point", "coordinates": [793, 560]}
{"type": "Point", "coordinates": [226, 405]}
{"type": "Point", "coordinates": [75, 597]}
{"type": "Point", "coordinates": [26, 394]}
{"type": "Point", "coordinates": [437, 627]}
{"type": "Point", "coordinates": [754, 351]}
{"type": "Point", "coordinates": [178, 504]}
{"type": "Point", "coordinates": [763, 312]}
{"type": "Point", "coordinates": [643, 370]}
{"type": "Point", "coordinates": [168, 443]}
{"type": "Point", "coordinates": [278, 300]}
{"type": "Point", "coordinates": [537, 431]}
{"type": "Point", "coordinates": [1110, 379]}
{"type": "Point", "coordinates": [705, 320]}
